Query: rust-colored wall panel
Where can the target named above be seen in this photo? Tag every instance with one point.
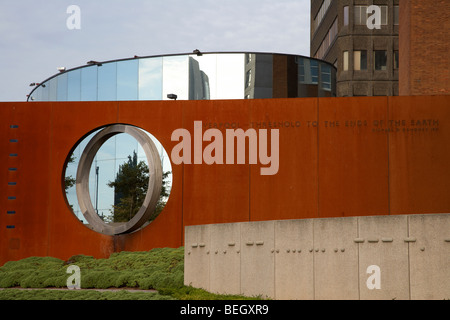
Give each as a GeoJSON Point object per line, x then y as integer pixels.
{"type": "Point", "coordinates": [216, 193]}
{"type": "Point", "coordinates": [353, 166]}
{"type": "Point", "coordinates": [71, 121]}
{"type": "Point", "coordinates": [6, 147]}
{"type": "Point", "coordinates": [29, 170]}
{"type": "Point", "coordinates": [420, 155]}
{"type": "Point", "coordinates": [292, 192]}
{"type": "Point", "coordinates": [379, 160]}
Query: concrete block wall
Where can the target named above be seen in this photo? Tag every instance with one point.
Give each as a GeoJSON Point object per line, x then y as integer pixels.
{"type": "Point", "coordinates": [368, 258]}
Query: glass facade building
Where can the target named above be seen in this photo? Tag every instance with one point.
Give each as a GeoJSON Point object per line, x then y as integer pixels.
{"type": "Point", "coordinates": [200, 76]}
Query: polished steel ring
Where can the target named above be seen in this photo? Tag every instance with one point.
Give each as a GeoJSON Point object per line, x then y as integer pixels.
{"type": "Point", "coordinates": [154, 184]}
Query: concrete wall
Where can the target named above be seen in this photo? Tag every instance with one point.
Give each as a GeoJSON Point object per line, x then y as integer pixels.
{"type": "Point", "coordinates": [408, 256]}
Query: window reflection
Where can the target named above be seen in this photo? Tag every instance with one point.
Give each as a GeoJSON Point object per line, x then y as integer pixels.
{"type": "Point", "coordinates": [44, 92]}
{"type": "Point", "coordinates": [74, 85]}
{"type": "Point", "coordinates": [175, 77]}
{"type": "Point", "coordinates": [192, 77]}
{"type": "Point", "coordinates": [52, 89]}
{"type": "Point", "coordinates": [107, 82]}
{"type": "Point", "coordinates": [127, 80]}
{"type": "Point", "coordinates": [230, 76]}
{"type": "Point", "coordinates": [62, 87]}
{"type": "Point", "coordinates": [325, 77]}
{"type": "Point", "coordinates": [259, 76]}
{"type": "Point", "coordinates": [150, 79]}
{"type": "Point", "coordinates": [89, 83]}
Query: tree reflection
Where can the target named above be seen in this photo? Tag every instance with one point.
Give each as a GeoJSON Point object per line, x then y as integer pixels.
{"type": "Point", "coordinates": [130, 188]}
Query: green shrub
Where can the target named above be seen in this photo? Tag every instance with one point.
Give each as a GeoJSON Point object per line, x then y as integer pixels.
{"type": "Point", "coordinates": [161, 269]}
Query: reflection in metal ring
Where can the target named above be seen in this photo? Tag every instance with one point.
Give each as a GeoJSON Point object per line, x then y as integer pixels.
{"type": "Point", "coordinates": [154, 184]}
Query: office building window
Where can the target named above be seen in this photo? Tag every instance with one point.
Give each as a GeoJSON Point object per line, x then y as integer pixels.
{"type": "Point", "coordinates": [396, 15]}
{"type": "Point", "coordinates": [345, 60]}
{"type": "Point", "coordinates": [396, 60]}
{"type": "Point", "coordinates": [314, 71]}
{"type": "Point", "coordinates": [327, 41]}
{"type": "Point", "coordinates": [320, 15]}
{"type": "Point", "coordinates": [325, 74]}
{"type": "Point", "coordinates": [380, 57]}
{"type": "Point", "coordinates": [346, 16]}
{"type": "Point", "coordinates": [360, 60]}
{"type": "Point", "coordinates": [360, 15]}
{"type": "Point", "coordinates": [384, 15]}
{"type": "Point", "coordinates": [301, 71]}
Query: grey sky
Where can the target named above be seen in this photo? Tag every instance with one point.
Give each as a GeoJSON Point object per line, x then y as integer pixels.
{"type": "Point", "coordinates": [34, 38]}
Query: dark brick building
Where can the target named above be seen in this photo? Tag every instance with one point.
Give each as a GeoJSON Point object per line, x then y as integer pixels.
{"type": "Point", "coordinates": [366, 58]}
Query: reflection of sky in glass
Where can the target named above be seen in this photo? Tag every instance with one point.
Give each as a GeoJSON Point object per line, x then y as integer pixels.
{"type": "Point", "coordinates": [127, 80]}
{"type": "Point", "coordinates": [150, 79]}
{"type": "Point", "coordinates": [62, 87]}
{"type": "Point", "coordinates": [176, 77]}
{"type": "Point", "coordinates": [89, 84]}
{"type": "Point", "coordinates": [74, 85]}
{"type": "Point", "coordinates": [107, 82]}
{"type": "Point", "coordinates": [110, 156]}
{"type": "Point", "coordinates": [52, 87]}
{"type": "Point", "coordinates": [208, 64]}
{"type": "Point", "coordinates": [231, 76]}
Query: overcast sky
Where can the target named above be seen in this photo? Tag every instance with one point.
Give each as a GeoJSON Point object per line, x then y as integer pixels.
{"type": "Point", "coordinates": [35, 39]}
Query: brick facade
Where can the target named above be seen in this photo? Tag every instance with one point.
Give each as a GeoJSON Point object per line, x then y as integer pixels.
{"type": "Point", "coordinates": [424, 47]}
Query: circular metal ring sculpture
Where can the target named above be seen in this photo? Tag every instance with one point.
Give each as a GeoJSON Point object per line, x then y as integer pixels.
{"type": "Point", "coordinates": [154, 184]}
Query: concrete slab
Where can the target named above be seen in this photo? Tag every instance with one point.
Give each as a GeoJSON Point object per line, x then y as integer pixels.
{"type": "Point", "coordinates": [225, 258]}
{"type": "Point", "coordinates": [196, 256]}
{"type": "Point", "coordinates": [257, 258]}
{"type": "Point", "coordinates": [383, 246]}
{"type": "Point", "coordinates": [336, 259]}
{"type": "Point", "coordinates": [429, 254]}
{"type": "Point", "coordinates": [294, 260]}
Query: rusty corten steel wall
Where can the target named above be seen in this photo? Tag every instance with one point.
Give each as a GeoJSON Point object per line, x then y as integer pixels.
{"type": "Point", "coordinates": [338, 157]}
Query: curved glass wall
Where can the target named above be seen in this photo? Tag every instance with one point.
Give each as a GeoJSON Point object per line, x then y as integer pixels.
{"type": "Point", "coordinates": [192, 77]}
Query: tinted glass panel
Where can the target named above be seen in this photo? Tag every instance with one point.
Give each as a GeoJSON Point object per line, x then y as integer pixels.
{"type": "Point", "coordinates": [89, 83]}
{"type": "Point", "coordinates": [127, 80]}
{"type": "Point", "coordinates": [325, 75]}
{"type": "Point", "coordinates": [150, 79]}
{"type": "Point", "coordinates": [74, 85]}
{"type": "Point", "coordinates": [107, 82]}
{"type": "Point", "coordinates": [204, 78]}
{"type": "Point", "coordinates": [52, 88]}
{"type": "Point", "coordinates": [62, 87]}
{"type": "Point", "coordinates": [314, 71]}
